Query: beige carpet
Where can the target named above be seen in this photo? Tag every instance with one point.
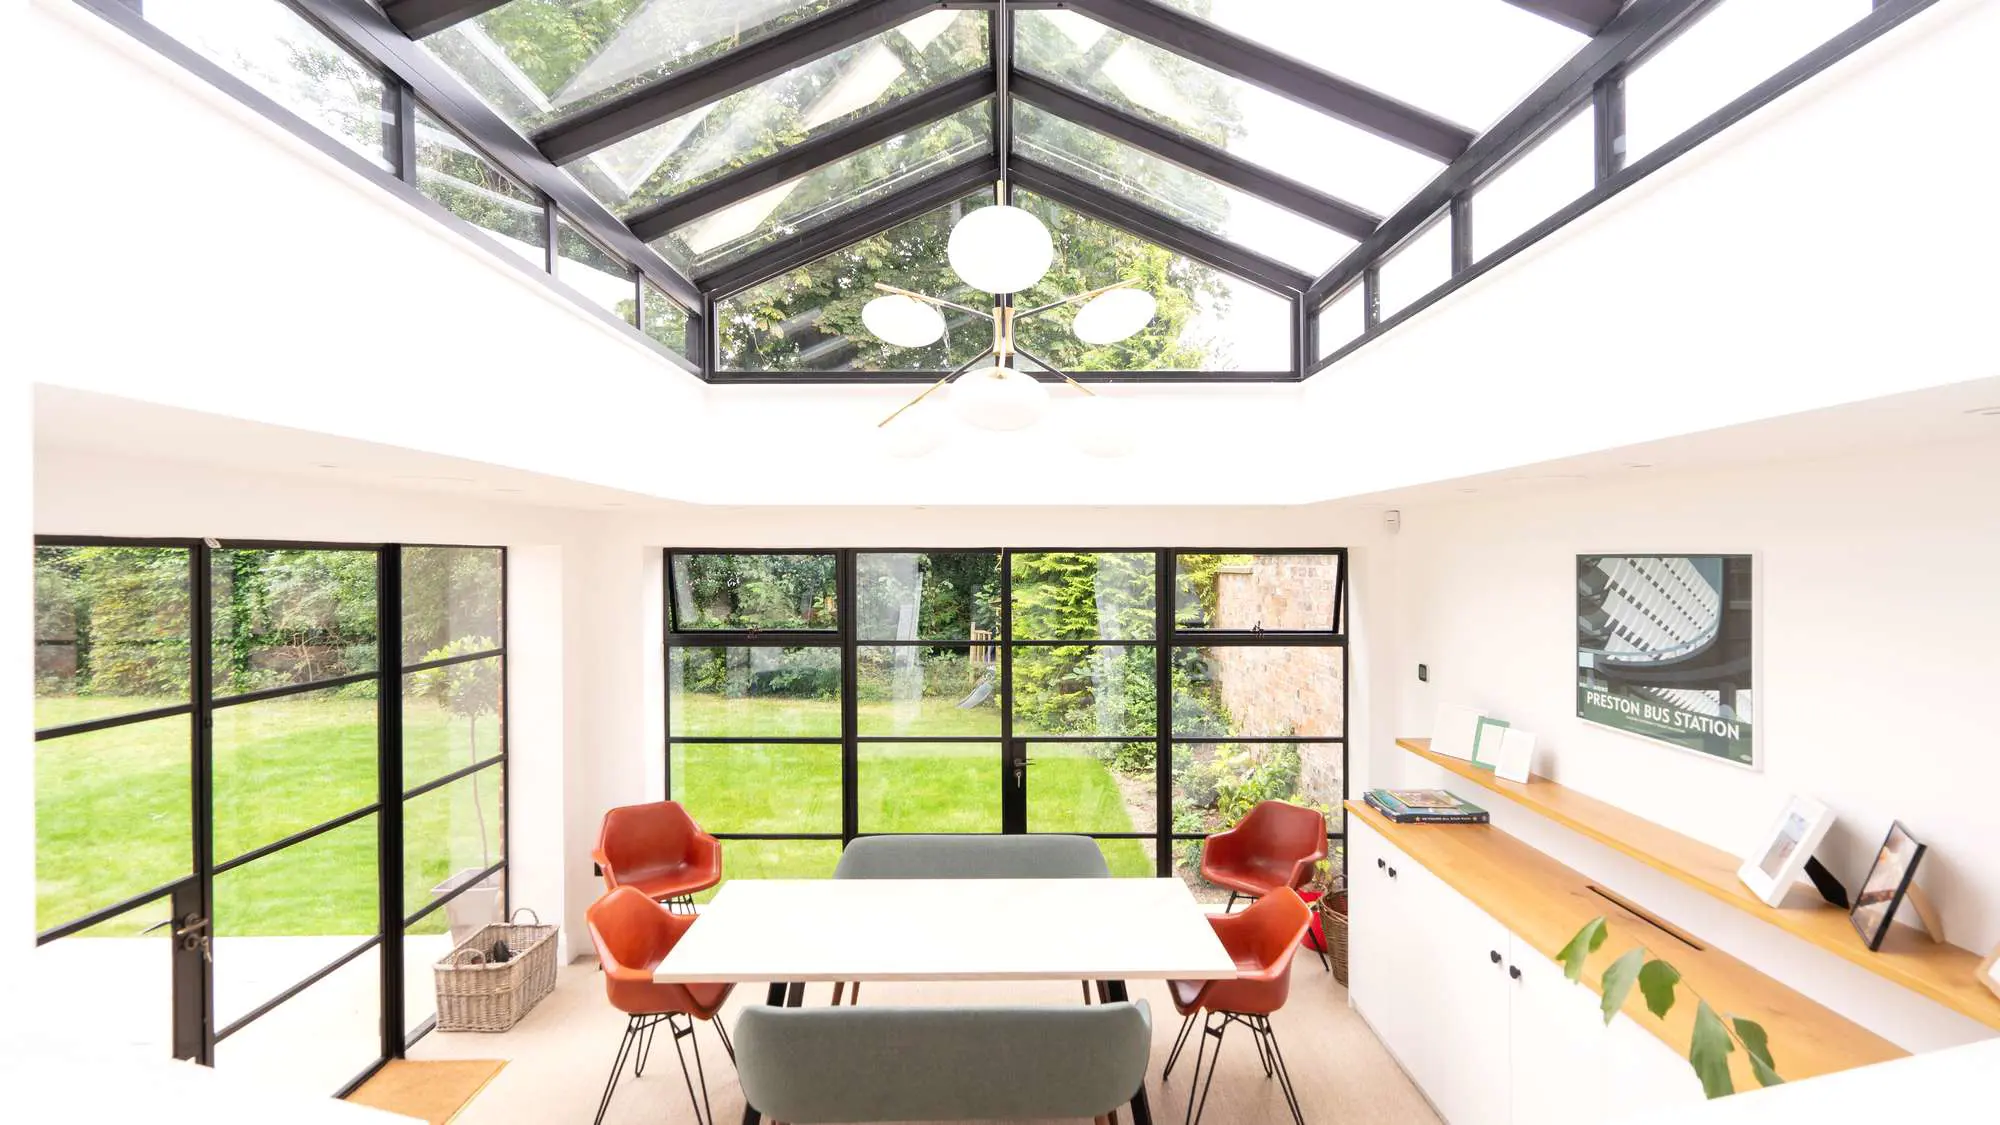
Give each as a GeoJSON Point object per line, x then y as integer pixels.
{"type": "Point", "coordinates": [433, 1090]}
{"type": "Point", "coordinates": [559, 1055]}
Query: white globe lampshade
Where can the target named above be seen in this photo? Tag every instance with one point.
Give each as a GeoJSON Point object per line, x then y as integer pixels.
{"type": "Point", "coordinates": [1102, 427]}
{"type": "Point", "coordinates": [915, 432]}
{"type": "Point", "coordinates": [1110, 317]}
{"type": "Point", "coordinates": [903, 321]}
{"type": "Point", "coordinates": [999, 398]}
{"type": "Point", "coordinates": [1000, 249]}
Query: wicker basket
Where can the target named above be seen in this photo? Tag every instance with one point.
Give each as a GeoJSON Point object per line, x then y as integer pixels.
{"type": "Point", "coordinates": [1332, 907]}
{"type": "Point", "coordinates": [474, 994]}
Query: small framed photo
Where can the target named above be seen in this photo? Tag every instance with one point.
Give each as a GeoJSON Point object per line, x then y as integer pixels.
{"type": "Point", "coordinates": [1781, 854]}
{"type": "Point", "coordinates": [1486, 742]}
{"type": "Point", "coordinates": [1887, 883]}
{"type": "Point", "coordinates": [1989, 973]}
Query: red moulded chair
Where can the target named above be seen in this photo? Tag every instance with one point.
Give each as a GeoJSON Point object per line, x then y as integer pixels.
{"type": "Point", "coordinates": [1262, 940]}
{"type": "Point", "coordinates": [633, 934]}
{"type": "Point", "coordinates": [658, 850]}
{"type": "Point", "coordinates": [1276, 845]}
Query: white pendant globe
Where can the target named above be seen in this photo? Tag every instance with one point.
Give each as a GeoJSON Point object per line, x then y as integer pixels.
{"type": "Point", "coordinates": [903, 321]}
{"type": "Point", "coordinates": [999, 398]}
{"type": "Point", "coordinates": [1110, 317]}
{"type": "Point", "coordinates": [1000, 249]}
{"type": "Point", "coordinates": [1102, 427]}
{"type": "Point", "coordinates": [915, 432]}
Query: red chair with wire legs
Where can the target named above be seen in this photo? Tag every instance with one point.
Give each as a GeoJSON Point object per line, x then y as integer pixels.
{"type": "Point", "coordinates": [1262, 940]}
{"type": "Point", "coordinates": [1276, 845]}
{"type": "Point", "coordinates": [633, 934]}
{"type": "Point", "coordinates": [658, 849]}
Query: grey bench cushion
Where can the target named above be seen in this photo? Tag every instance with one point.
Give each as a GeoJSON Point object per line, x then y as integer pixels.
{"type": "Point", "coordinates": [972, 857]}
{"type": "Point", "coordinates": [806, 1066]}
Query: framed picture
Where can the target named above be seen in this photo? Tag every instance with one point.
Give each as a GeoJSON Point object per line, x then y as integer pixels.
{"type": "Point", "coordinates": [1989, 973]}
{"type": "Point", "coordinates": [1780, 856]}
{"type": "Point", "coordinates": [1888, 881]}
{"type": "Point", "coordinates": [1486, 742]}
{"type": "Point", "coordinates": [1663, 650]}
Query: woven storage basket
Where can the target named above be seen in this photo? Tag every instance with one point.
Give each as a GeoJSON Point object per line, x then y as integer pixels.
{"type": "Point", "coordinates": [474, 994]}
{"type": "Point", "coordinates": [1332, 907]}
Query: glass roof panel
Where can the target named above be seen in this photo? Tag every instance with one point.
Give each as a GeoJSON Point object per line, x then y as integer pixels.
{"type": "Point", "coordinates": [828, 192]}
{"type": "Point", "coordinates": [1467, 60]}
{"type": "Point", "coordinates": [535, 61]}
{"type": "Point", "coordinates": [1196, 200]}
{"type": "Point", "coordinates": [1255, 124]}
{"type": "Point", "coordinates": [795, 106]}
{"type": "Point", "coordinates": [1207, 320]}
{"type": "Point", "coordinates": [810, 319]}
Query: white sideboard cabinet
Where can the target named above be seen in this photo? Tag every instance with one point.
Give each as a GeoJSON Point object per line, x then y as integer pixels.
{"type": "Point", "coordinates": [1487, 1027]}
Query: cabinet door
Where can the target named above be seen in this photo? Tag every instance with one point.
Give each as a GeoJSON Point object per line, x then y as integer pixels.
{"type": "Point", "coordinates": [1372, 918]}
{"type": "Point", "coordinates": [1466, 1057]}
{"type": "Point", "coordinates": [1559, 1041]}
{"type": "Point", "coordinates": [1642, 1074]}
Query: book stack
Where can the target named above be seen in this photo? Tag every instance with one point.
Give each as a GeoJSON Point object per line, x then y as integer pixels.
{"type": "Point", "coordinates": [1424, 806]}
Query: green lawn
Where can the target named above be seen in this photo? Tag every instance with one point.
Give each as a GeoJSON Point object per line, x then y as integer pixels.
{"type": "Point", "coordinates": [112, 807]}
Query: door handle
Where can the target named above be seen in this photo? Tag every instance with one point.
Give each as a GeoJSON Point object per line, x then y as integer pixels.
{"type": "Point", "coordinates": [189, 930]}
{"type": "Point", "coordinates": [1514, 971]}
{"type": "Point", "coordinates": [1495, 954]}
{"type": "Point", "coordinates": [1381, 863]}
{"type": "Point", "coordinates": [1392, 873]}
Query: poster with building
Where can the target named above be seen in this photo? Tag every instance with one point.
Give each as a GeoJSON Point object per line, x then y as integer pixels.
{"type": "Point", "coordinates": [1663, 650]}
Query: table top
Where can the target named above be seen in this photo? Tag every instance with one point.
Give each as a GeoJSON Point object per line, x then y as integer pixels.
{"type": "Point", "coordinates": [948, 929]}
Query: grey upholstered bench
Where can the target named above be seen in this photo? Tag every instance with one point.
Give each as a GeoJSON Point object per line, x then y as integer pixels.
{"type": "Point", "coordinates": [972, 857]}
{"type": "Point", "coordinates": [807, 1066]}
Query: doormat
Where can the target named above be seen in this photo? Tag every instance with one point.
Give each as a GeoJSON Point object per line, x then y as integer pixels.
{"type": "Point", "coordinates": [433, 1090]}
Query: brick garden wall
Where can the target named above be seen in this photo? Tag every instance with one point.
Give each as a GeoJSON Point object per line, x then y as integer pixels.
{"type": "Point", "coordinates": [1284, 690]}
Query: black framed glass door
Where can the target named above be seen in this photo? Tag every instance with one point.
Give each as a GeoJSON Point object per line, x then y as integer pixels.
{"type": "Point", "coordinates": [818, 695]}
{"type": "Point", "coordinates": [241, 765]}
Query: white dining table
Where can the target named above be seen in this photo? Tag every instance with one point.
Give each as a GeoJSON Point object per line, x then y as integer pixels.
{"type": "Point", "coordinates": [789, 932]}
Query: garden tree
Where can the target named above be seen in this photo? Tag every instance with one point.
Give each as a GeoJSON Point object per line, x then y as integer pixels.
{"type": "Point", "coordinates": [573, 51]}
{"type": "Point", "coordinates": [448, 592]}
{"type": "Point", "coordinates": [112, 621]}
{"type": "Point", "coordinates": [289, 616]}
{"type": "Point", "coordinates": [470, 690]}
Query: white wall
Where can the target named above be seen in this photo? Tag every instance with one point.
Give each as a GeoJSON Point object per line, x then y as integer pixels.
{"type": "Point", "coordinates": [1876, 616]}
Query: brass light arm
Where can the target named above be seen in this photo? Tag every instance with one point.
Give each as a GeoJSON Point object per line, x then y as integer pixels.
{"type": "Point", "coordinates": [929, 300]}
{"type": "Point", "coordinates": [1073, 298]}
{"type": "Point", "coordinates": [1050, 367]}
{"type": "Point", "coordinates": [928, 391]}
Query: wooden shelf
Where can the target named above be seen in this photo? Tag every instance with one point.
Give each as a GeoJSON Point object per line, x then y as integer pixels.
{"type": "Point", "coordinates": [1944, 973]}
{"type": "Point", "coordinates": [1544, 903]}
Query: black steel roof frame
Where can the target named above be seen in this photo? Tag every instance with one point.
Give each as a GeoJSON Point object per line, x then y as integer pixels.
{"type": "Point", "coordinates": [384, 36]}
{"type": "Point", "coordinates": [1615, 174]}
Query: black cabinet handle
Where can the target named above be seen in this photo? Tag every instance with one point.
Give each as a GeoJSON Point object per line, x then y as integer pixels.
{"type": "Point", "coordinates": [1380, 863]}
{"type": "Point", "coordinates": [1392, 873]}
{"type": "Point", "coordinates": [1514, 971]}
{"type": "Point", "coordinates": [1495, 954]}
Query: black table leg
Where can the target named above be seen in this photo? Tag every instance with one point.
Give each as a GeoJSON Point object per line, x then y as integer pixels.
{"type": "Point", "coordinates": [1142, 1110]}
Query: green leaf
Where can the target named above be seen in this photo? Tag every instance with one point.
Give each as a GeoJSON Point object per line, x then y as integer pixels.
{"type": "Point", "coordinates": [1618, 980]}
{"type": "Point", "coordinates": [1758, 1046]}
{"type": "Point", "coordinates": [1657, 981]}
{"type": "Point", "coordinates": [1708, 1053]}
{"type": "Point", "coordinates": [1580, 947]}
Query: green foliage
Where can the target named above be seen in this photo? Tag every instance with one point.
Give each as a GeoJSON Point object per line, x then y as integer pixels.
{"type": "Point", "coordinates": [1196, 588]}
{"type": "Point", "coordinates": [1656, 982]}
{"type": "Point", "coordinates": [1709, 1051]}
{"type": "Point", "coordinates": [1618, 981]}
{"type": "Point", "coordinates": [1712, 1042]}
{"type": "Point", "coordinates": [748, 591]}
{"type": "Point", "coordinates": [1586, 942]}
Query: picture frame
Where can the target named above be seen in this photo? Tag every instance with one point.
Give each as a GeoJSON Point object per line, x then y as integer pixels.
{"type": "Point", "coordinates": [1888, 883]}
{"type": "Point", "coordinates": [1780, 857]}
{"type": "Point", "coordinates": [1665, 651]}
{"type": "Point", "coordinates": [1989, 971]}
{"type": "Point", "coordinates": [1517, 756]}
{"type": "Point", "coordinates": [1486, 739]}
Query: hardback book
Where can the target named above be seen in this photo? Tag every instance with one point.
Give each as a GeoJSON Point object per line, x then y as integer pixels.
{"type": "Point", "coordinates": [1389, 803]}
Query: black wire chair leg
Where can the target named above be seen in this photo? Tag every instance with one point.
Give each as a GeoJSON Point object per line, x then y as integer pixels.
{"type": "Point", "coordinates": [1270, 1037]}
{"type": "Point", "coordinates": [617, 1066]}
{"type": "Point", "coordinates": [722, 1033]}
{"type": "Point", "coordinates": [704, 1114]}
{"type": "Point", "coordinates": [1218, 1031]}
{"type": "Point", "coordinates": [644, 1042]}
{"type": "Point", "coordinates": [1180, 1041]}
{"type": "Point", "coordinates": [1231, 908]}
{"type": "Point", "coordinates": [1263, 1051]}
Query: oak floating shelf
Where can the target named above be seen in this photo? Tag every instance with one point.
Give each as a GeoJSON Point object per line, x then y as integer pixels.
{"type": "Point", "coordinates": [1944, 973]}
{"type": "Point", "coordinates": [1544, 903]}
